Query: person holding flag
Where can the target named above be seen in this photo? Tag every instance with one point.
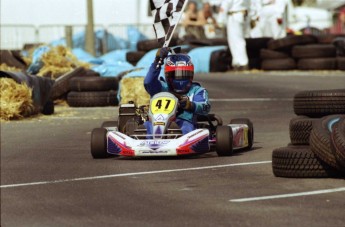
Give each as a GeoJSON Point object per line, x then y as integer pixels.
{"type": "Point", "coordinates": [179, 72]}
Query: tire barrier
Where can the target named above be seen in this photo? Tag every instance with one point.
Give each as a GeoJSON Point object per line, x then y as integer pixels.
{"type": "Point", "coordinates": [317, 136]}
{"type": "Point", "coordinates": [92, 98]}
{"type": "Point", "coordinates": [319, 103]}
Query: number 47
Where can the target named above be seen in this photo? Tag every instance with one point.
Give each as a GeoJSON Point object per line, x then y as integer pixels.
{"type": "Point", "coordinates": [159, 103]}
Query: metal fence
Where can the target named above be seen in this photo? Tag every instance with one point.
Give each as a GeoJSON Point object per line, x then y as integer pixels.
{"type": "Point", "coordinates": [16, 36]}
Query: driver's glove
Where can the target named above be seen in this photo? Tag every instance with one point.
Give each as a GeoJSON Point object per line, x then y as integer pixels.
{"type": "Point", "coordinates": [161, 54]}
{"type": "Point", "coordinates": [185, 103]}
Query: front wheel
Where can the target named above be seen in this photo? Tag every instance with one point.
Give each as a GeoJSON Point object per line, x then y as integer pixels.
{"type": "Point", "coordinates": [224, 140]}
{"type": "Point", "coordinates": [247, 122]}
{"type": "Point", "coordinates": [99, 143]}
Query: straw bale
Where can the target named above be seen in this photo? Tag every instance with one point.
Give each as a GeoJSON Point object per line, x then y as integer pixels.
{"type": "Point", "coordinates": [15, 100]}
{"type": "Point", "coordinates": [58, 61]}
{"type": "Point", "coordinates": [132, 89]}
{"type": "Point", "coordinates": [5, 67]}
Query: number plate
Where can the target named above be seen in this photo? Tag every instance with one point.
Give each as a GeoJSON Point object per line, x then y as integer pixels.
{"type": "Point", "coordinates": [162, 105]}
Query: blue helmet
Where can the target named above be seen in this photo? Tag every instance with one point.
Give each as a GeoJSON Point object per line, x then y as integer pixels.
{"type": "Point", "coordinates": [179, 72]}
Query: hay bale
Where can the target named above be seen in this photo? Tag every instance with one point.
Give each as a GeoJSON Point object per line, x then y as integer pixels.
{"type": "Point", "coordinates": [132, 89]}
{"type": "Point", "coordinates": [58, 61]}
{"type": "Point", "coordinates": [15, 100]}
{"type": "Point", "coordinates": [5, 67]}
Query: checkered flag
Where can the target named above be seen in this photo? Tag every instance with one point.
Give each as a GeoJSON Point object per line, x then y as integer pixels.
{"type": "Point", "coordinates": [166, 14]}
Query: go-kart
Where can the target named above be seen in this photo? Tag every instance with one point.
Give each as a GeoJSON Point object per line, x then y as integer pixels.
{"type": "Point", "coordinates": [128, 136]}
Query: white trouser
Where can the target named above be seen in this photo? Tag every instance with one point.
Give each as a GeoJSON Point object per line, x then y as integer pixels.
{"type": "Point", "coordinates": [269, 25]}
{"type": "Point", "coordinates": [236, 31]}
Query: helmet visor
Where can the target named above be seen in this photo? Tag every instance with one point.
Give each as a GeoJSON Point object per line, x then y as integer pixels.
{"type": "Point", "coordinates": [179, 72]}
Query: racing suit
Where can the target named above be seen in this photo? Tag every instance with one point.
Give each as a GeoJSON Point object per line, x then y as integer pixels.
{"type": "Point", "coordinates": [237, 28]}
{"type": "Point", "coordinates": [198, 95]}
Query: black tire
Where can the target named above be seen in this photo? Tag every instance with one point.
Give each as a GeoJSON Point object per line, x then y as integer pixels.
{"type": "Point", "coordinates": [224, 140]}
{"type": "Point", "coordinates": [317, 64]}
{"type": "Point", "coordinates": [271, 54]}
{"type": "Point", "coordinates": [319, 103]}
{"type": "Point", "coordinates": [107, 124]}
{"type": "Point", "coordinates": [61, 84]}
{"type": "Point", "coordinates": [6, 56]}
{"type": "Point", "coordinates": [93, 84]}
{"type": "Point", "coordinates": [48, 108]}
{"type": "Point", "coordinates": [130, 126]}
{"type": "Point", "coordinates": [92, 98]}
{"type": "Point", "coordinates": [314, 51]}
{"type": "Point", "coordinates": [91, 73]}
{"type": "Point", "coordinates": [299, 162]}
{"type": "Point", "coordinates": [279, 64]}
{"type": "Point", "coordinates": [134, 56]}
{"type": "Point", "coordinates": [220, 60]}
{"type": "Point", "coordinates": [300, 129]}
{"type": "Point", "coordinates": [256, 44]}
{"type": "Point", "coordinates": [320, 139]}
{"type": "Point", "coordinates": [328, 38]}
{"type": "Point", "coordinates": [99, 143]}
{"type": "Point", "coordinates": [218, 41]}
{"type": "Point", "coordinates": [248, 122]}
{"type": "Point", "coordinates": [338, 143]}
{"type": "Point", "coordinates": [288, 42]}
{"type": "Point", "coordinates": [341, 63]}
{"type": "Point", "coordinates": [147, 45]}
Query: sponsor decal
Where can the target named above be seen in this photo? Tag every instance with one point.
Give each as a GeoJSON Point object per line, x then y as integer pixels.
{"type": "Point", "coordinates": [160, 118]}
{"type": "Point", "coordinates": [238, 138]}
{"type": "Point", "coordinates": [159, 123]}
{"type": "Point", "coordinates": [156, 142]}
{"type": "Point", "coordinates": [153, 152]}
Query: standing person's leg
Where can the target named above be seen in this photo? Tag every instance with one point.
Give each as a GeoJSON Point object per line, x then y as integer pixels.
{"type": "Point", "coordinates": [231, 40]}
{"type": "Point", "coordinates": [279, 31]}
{"type": "Point", "coordinates": [237, 41]}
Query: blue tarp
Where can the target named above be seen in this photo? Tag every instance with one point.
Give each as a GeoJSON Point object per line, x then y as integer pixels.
{"type": "Point", "coordinates": [36, 63]}
{"type": "Point", "coordinates": [112, 69]}
{"type": "Point", "coordinates": [84, 56]}
{"type": "Point", "coordinates": [134, 36]}
{"type": "Point", "coordinates": [113, 43]}
{"type": "Point", "coordinates": [114, 56]}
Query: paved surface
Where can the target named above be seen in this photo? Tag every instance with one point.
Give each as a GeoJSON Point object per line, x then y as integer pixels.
{"type": "Point", "coordinates": [48, 177]}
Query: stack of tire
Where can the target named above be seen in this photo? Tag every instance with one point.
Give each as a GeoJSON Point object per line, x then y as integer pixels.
{"type": "Point", "coordinates": [317, 135]}
{"type": "Point", "coordinates": [278, 56]}
{"type": "Point", "coordinates": [305, 52]}
{"type": "Point", "coordinates": [315, 57]}
{"type": "Point", "coordinates": [339, 44]}
{"type": "Point", "coordinates": [92, 91]}
{"type": "Point", "coordinates": [220, 60]}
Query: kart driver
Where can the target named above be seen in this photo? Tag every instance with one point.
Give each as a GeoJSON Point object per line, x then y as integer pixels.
{"type": "Point", "coordinates": [179, 73]}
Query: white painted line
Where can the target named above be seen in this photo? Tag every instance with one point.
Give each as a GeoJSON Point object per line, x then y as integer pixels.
{"type": "Point", "coordinates": [132, 174]}
{"type": "Point", "coordinates": [251, 100]}
{"type": "Point", "coordinates": [288, 195]}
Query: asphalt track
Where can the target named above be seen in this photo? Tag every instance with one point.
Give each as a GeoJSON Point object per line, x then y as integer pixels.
{"type": "Point", "coordinates": [48, 177]}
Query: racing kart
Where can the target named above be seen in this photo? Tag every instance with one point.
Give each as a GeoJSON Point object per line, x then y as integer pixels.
{"type": "Point", "coordinates": [128, 136]}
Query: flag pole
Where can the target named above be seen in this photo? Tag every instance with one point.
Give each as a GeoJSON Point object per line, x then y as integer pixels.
{"type": "Point", "coordinates": [167, 42]}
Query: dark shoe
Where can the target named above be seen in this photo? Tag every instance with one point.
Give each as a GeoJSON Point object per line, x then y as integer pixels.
{"type": "Point", "coordinates": [240, 68]}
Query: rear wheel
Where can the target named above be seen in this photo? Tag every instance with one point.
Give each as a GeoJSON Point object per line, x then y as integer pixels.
{"type": "Point", "coordinates": [247, 122]}
{"type": "Point", "coordinates": [108, 124]}
{"type": "Point", "coordinates": [224, 139]}
{"type": "Point", "coordinates": [99, 143]}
